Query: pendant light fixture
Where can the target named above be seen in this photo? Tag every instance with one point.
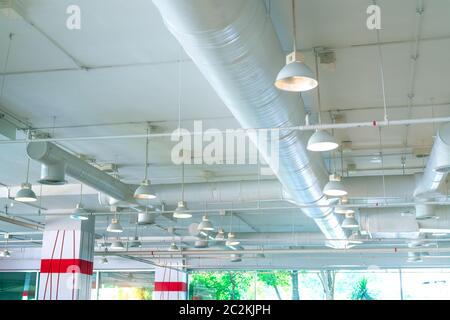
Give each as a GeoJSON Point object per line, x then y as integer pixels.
{"type": "Point", "coordinates": [231, 240]}
{"type": "Point", "coordinates": [235, 257]}
{"type": "Point", "coordinates": [295, 76]}
{"type": "Point", "coordinates": [135, 243]}
{"type": "Point", "coordinates": [104, 260]}
{"type": "Point", "coordinates": [181, 212]}
{"type": "Point", "coordinates": [220, 236]}
{"type": "Point", "coordinates": [205, 225]}
{"type": "Point", "coordinates": [173, 247]}
{"type": "Point", "coordinates": [5, 253]}
{"type": "Point", "coordinates": [341, 209]}
{"type": "Point", "coordinates": [115, 226]}
{"type": "Point", "coordinates": [26, 193]}
{"type": "Point", "coordinates": [321, 140]}
{"type": "Point", "coordinates": [80, 213]}
{"type": "Point", "coordinates": [117, 245]}
{"type": "Point", "coordinates": [335, 187]}
{"type": "Point", "coordinates": [350, 222]}
{"type": "Point", "coordinates": [144, 191]}
{"type": "Point", "coordinates": [414, 257]}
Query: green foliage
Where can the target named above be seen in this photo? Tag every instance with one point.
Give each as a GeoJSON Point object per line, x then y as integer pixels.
{"type": "Point", "coordinates": [361, 291]}
{"type": "Point", "coordinates": [275, 278]}
{"type": "Point", "coordinates": [222, 285]}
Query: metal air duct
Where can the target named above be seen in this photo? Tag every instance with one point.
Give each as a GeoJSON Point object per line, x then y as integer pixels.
{"type": "Point", "coordinates": [234, 45]}
{"type": "Point", "coordinates": [50, 155]}
{"type": "Point", "coordinates": [438, 165]}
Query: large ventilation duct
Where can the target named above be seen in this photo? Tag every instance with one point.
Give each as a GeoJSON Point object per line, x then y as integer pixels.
{"type": "Point", "coordinates": [389, 223]}
{"type": "Point", "coordinates": [234, 45]}
{"type": "Point", "coordinates": [51, 155]}
{"type": "Point", "coordinates": [364, 191]}
{"type": "Point", "coordinates": [438, 165]}
{"type": "Point", "coordinates": [229, 191]}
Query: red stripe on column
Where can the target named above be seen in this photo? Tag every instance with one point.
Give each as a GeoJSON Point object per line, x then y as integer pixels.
{"type": "Point", "coordinates": [170, 286]}
{"type": "Point", "coordinates": [67, 266]}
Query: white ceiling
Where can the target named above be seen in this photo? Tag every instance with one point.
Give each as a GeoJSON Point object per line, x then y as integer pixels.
{"type": "Point", "coordinates": [132, 75]}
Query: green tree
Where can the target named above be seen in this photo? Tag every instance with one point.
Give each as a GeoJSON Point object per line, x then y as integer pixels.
{"type": "Point", "coordinates": [275, 279]}
{"type": "Point", "coordinates": [361, 291]}
{"type": "Point", "coordinates": [222, 285]}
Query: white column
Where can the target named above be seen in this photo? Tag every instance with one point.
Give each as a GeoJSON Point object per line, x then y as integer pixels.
{"type": "Point", "coordinates": [170, 281]}
{"type": "Point", "coordinates": [67, 259]}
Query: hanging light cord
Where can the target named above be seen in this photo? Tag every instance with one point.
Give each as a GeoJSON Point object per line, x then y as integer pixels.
{"type": "Point", "coordinates": [182, 181]}
{"type": "Point", "coordinates": [179, 121]}
{"type": "Point", "coordinates": [231, 222]}
{"type": "Point", "coordinates": [294, 25]}
{"type": "Point", "coordinates": [146, 154]}
{"type": "Point", "coordinates": [383, 86]}
{"type": "Point", "coordinates": [319, 102]}
{"type": "Point", "coordinates": [28, 170]}
{"type": "Point", "coordinates": [179, 91]}
{"type": "Point", "coordinates": [381, 67]}
{"type": "Point", "coordinates": [382, 165]}
{"type": "Point", "coordinates": [81, 193]}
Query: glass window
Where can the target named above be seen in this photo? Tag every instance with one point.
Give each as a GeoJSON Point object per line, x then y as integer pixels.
{"type": "Point", "coordinates": [260, 285]}
{"type": "Point", "coordinates": [18, 285]}
{"type": "Point", "coordinates": [426, 284]}
{"type": "Point", "coordinates": [367, 285]}
{"type": "Point", "coordinates": [274, 285]}
{"type": "Point", "coordinates": [310, 287]}
{"type": "Point", "coordinates": [125, 285]}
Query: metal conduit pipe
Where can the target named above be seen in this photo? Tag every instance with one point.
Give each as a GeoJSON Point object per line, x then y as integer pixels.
{"type": "Point", "coordinates": [235, 46]}
{"type": "Point", "coordinates": [50, 154]}
{"type": "Point", "coordinates": [312, 127]}
{"type": "Point", "coordinates": [20, 223]}
{"type": "Point", "coordinates": [352, 251]}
